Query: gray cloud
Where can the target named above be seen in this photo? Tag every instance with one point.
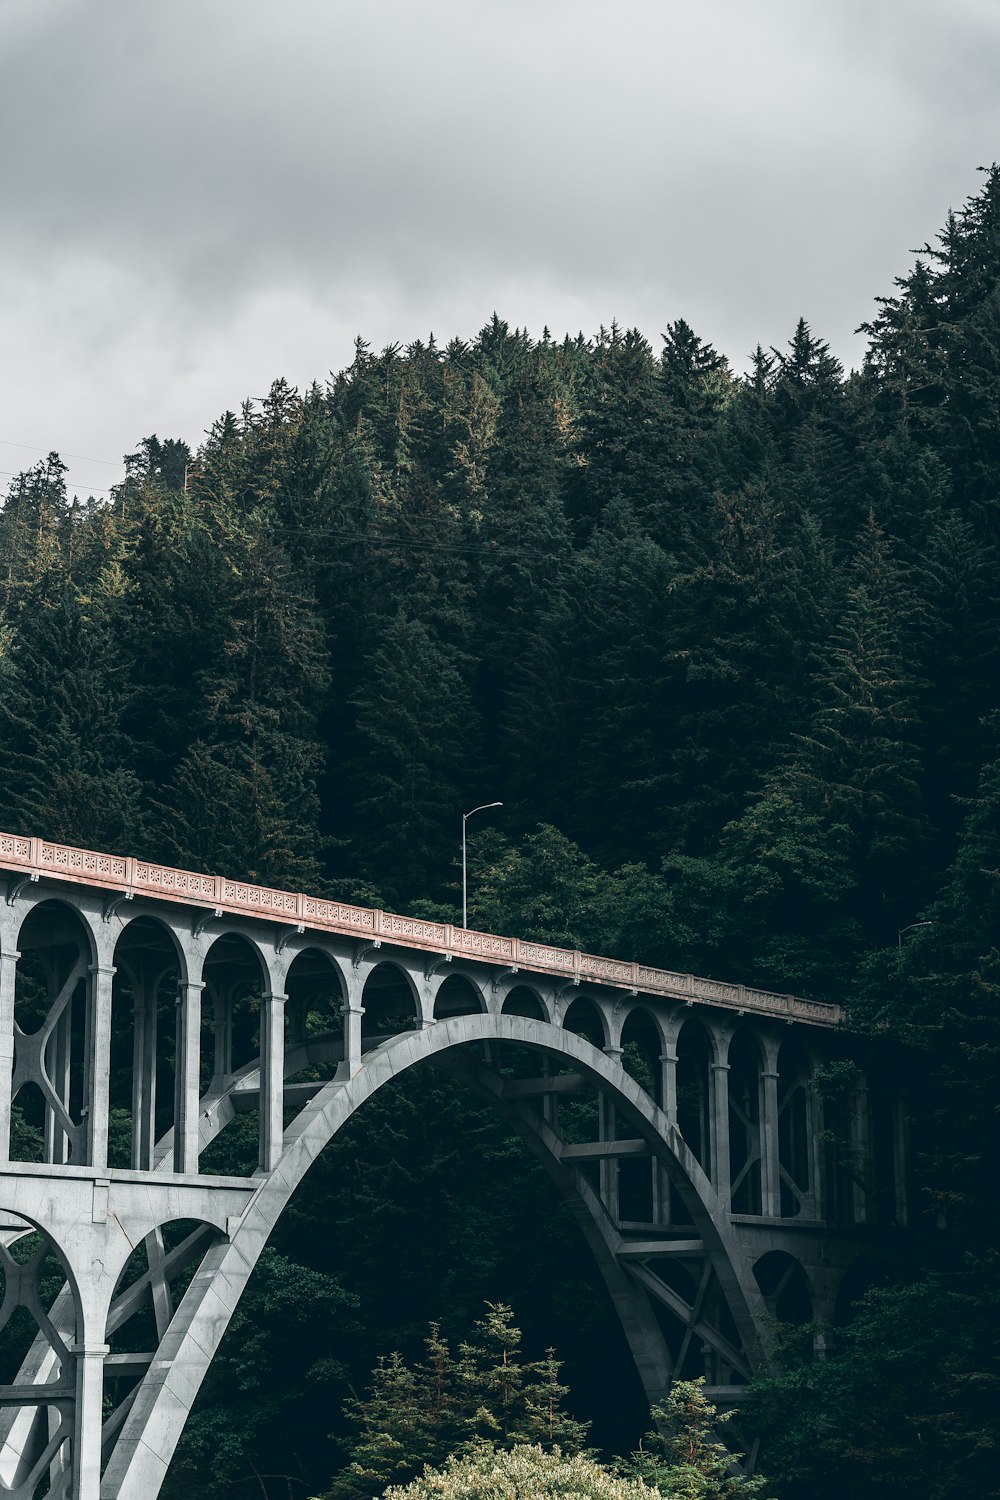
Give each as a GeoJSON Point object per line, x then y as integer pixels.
{"type": "Point", "coordinates": [200, 196]}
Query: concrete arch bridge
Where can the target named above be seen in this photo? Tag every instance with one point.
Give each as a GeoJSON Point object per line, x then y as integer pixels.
{"type": "Point", "coordinates": [695, 1156]}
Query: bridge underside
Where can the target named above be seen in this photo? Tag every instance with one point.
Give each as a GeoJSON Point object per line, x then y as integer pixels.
{"type": "Point", "coordinates": [715, 1186]}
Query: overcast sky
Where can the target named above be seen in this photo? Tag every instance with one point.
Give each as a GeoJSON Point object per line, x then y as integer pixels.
{"type": "Point", "coordinates": [201, 195]}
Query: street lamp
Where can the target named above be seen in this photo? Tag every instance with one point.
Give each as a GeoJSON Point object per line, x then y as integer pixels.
{"type": "Point", "coordinates": [899, 934]}
{"type": "Point", "coordinates": [465, 888]}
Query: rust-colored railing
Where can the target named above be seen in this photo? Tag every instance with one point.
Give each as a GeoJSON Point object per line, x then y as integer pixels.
{"type": "Point", "coordinates": [143, 877]}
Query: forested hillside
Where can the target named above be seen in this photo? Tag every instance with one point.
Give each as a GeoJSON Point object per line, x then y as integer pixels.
{"type": "Point", "coordinates": [726, 648]}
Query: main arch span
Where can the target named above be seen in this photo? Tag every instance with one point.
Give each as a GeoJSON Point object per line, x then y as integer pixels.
{"type": "Point", "coordinates": [143, 1009]}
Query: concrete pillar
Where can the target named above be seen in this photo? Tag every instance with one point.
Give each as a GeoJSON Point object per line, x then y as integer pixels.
{"type": "Point", "coordinates": [352, 1011]}
{"type": "Point", "coordinates": [143, 1074]}
{"type": "Point", "coordinates": [88, 1420]}
{"type": "Point", "coordinates": [8, 980]}
{"type": "Point", "coordinates": [860, 1149]}
{"type": "Point", "coordinates": [719, 1109]}
{"type": "Point", "coordinates": [668, 1080]}
{"type": "Point", "coordinates": [608, 1168]}
{"type": "Point", "coordinates": [272, 1078]}
{"type": "Point", "coordinates": [187, 1076]}
{"type": "Point", "coordinates": [770, 1171]}
{"type": "Point", "coordinates": [98, 1064]}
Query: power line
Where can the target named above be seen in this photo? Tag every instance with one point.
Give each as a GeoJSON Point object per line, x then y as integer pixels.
{"type": "Point", "coordinates": [113, 463]}
{"type": "Point", "coordinates": [92, 489]}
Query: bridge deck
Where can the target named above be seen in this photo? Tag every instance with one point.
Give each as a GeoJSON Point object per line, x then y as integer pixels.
{"type": "Point", "coordinates": [32, 858]}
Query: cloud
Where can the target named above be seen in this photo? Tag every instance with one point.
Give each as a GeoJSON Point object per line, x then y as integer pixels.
{"type": "Point", "coordinates": [199, 197]}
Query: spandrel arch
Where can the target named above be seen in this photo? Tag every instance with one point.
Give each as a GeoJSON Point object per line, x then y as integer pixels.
{"type": "Point", "coordinates": [155, 1409]}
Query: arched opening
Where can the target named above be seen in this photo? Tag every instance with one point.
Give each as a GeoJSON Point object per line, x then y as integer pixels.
{"type": "Point", "coordinates": [744, 1124]}
{"type": "Point", "coordinates": [642, 1188]}
{"type": "Point", "coordinates": [390, 1004]}
{"type": "Point", "coordinates": [587, 1116]}
{"type": "Point", "coordinates": [39, 1319]}
{"type": "Point", "coordinates": [51, 1004]}
{"type": "Point", "coordinates": [585, 1019]}
{"type": "Point", "coordinates": [235, 978]}
{"type": "Point", "coordinates": [314, 1024]}
{"type": "Point", "coordinates": [457, 997]}
{"type": "Point", "coordinates": [144, 1016]}
{"type": "Point", "coordinates": [694, 1057]}
{"type": "Point", "coordinates": [146, 1296]}
{"type": "Point", "coordinates": [695, 1320]}
{"type": "Point", "coordinates": [522, 1001]}
{"type": "Point", "coordinates": [785, 1287]}
{"type": "Point", "coordinates": [794, 1136]}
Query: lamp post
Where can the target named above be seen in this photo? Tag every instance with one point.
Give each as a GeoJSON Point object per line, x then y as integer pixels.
{"type": "Point", "coordinates": [465, 887]}
{"type": "Point", "coordinates": [899, 934]}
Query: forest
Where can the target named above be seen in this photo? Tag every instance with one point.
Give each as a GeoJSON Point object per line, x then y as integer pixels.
{"type": "Point", "coordinates": [725, 646]}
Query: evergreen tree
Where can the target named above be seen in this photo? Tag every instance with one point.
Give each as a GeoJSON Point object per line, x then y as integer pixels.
{"type": "Point", "coordinates": [421, 1415]}
{"type": "Point", "coordinates": [69, 773]}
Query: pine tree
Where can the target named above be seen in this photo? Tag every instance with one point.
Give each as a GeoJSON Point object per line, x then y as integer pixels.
{"type": "Point", "coordinates": [69, 768]}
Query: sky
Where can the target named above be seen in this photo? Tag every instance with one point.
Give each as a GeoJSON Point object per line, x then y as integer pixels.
{"type": "Point", "coordinates": [199, 196]}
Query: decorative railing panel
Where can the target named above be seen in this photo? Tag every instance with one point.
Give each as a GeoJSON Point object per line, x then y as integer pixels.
{"type": "Point", "coordinates": [136, 877]}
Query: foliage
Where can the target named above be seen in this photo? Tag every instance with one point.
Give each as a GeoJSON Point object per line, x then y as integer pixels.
{"type": "Point", "coordinates": [524, 1472]}
{"type": "Point", "coordinates": [486, 1393]}
{"type": "Point", "coordinates": [683, 1456]}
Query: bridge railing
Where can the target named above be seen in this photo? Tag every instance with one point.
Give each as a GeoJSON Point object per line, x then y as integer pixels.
{"type": "Point", "coordinates": [140, 877]}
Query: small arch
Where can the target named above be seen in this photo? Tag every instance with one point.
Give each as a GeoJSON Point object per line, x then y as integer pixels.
{"type": "Point", "coordinates": [40, 1320]}
{"type": "Point", "coordinates": [458, 996]}
{"type": "Point", "coordinates": [315, 988]}
{"type": "Point", "coordinates": [585, 1018]}
{"type": "Point", "coordinates": [390, 1002]}
{"type": "Point", "coordinates": [794, 1128]}
{"type": "Point", "coordinates": [785, 1287]}
{"type": "Point", "coordinates": [744, 1082]}
{"type": "Point", "coordinates": [144, 1017]}
{"type": "Point", "coordinates": [522, 1000]}
{"type": "Point", "coordinates": [145, 1298]}
{"type": "Point", "coordinates": [52, 1001]}
{"type": "Point", "coordinates": [642, 1047]}
{"type": "Point", "coordinates": [694, 1060]}
{"type": "Point", "coordinates": [235, 976]}
{"type": "Point", "coordinates": [642, 1189]}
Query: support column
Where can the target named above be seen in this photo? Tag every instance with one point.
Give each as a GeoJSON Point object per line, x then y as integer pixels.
{"type": "Point", "coordinates": [352, 1011]}
{"type": "Point", "coordinates": [8, 980]}
{"type": "Point", "coordinates": [88, 1420]}
{"type": "Point", "coordinates": [98, 1064]}
{"type": "Point", "coordinates": [143, 1074]}
{"type": "Point", "coordinates": [668, 1080]}
{"type": "Point", "coordinates": [187, 1076]}
{"type": "Point", "coordinates": [272, 1079]}
{"type": "Point", "coordinates": [860, 1150]}
{"type": "Point", "coordinates": [770, 1167]}
{"type": "Point", "coordinates": [720, 1131]}
{"type": "Point", "coordinates": [606, 1131]}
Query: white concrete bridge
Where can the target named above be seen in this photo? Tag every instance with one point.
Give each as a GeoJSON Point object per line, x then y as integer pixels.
{"type": "Point", "coordinates": [712, 1189]}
